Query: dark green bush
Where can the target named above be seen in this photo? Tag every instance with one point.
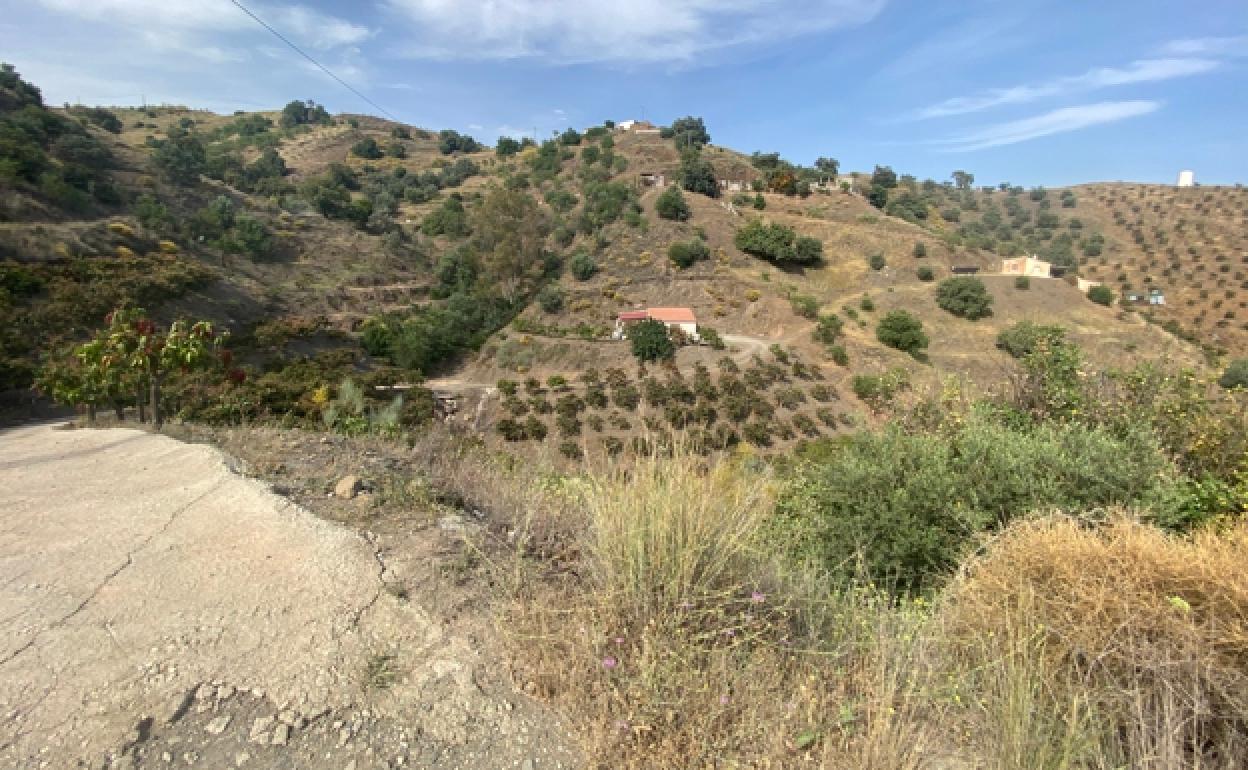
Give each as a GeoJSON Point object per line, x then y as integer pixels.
{"type": "Point", "coordinates": [671, 205]}
{"type": "Point", "coordinates": [686, 253]}
{"type": "Point", "coordinates": [964, 296]}
{"type": "Point", "coordinates": [1022, 339]}
{"type": "Point", "coordinates": [902, 331]}
{"type": "Point", "coordinates": [909, 505]}
{"type": "Point", "coordinates": [1236, 374]}
{"type": "Point", "coordinates": [925, 273]}
{"type": "Point", "coordinates": [650, 341]}
{"type": "Point", "coordinates": [1101, 295]}
{"type": "Point", "coordinates": [583, 266]}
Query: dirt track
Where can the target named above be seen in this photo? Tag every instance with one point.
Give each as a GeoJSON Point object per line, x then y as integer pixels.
{"type": "Point", "coordinates": [156, 607]}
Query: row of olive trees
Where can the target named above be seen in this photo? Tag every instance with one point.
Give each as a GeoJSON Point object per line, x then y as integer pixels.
{"type": "Point", "coordinates": [133, 357]}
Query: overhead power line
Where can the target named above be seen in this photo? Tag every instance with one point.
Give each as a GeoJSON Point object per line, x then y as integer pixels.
{"type": "Point", "coordinates": [319, 66]}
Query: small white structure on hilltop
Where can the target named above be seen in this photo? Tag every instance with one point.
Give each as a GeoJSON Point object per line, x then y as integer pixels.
{"type": "Point", "coordinates": [1032, 267]}
{"type": "Point", "coordinates": [1187, 179]}
{"type": "Point", "coordinates": [1084, 284]}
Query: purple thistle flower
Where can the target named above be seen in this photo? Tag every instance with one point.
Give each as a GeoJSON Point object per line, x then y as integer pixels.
{"type": "Point", "coordinates": [609, 662]}
{"type": "Point", "coordinates": [758, 597]}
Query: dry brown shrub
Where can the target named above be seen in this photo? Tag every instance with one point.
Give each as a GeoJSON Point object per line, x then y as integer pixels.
{"type": "Point", "coordinates": [1144, 633]}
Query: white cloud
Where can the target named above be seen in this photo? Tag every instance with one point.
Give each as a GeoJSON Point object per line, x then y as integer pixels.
{"type": "Point", "coordinates": [1208, 46]}
{"type": "Point", "coordinates": [1143, 71]}
{"type": "Point", "coordinates": [1058, 121]}
{"type": "Point", "coordinates": [180, 20]}
{"type": "Point", "coordinates": [609, 30]}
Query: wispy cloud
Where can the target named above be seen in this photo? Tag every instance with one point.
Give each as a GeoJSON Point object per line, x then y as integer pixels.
{"type": "Point", "coordinates": [156, 18]}
{"type": "Point", "coordinates": [1058, 121]}
{"type": "Point", "coordinates": [566, 31]}
{"type": "Point", "coordinates": [1142, 71]}
{"type": "Point", "coordinates": [1236, 45]}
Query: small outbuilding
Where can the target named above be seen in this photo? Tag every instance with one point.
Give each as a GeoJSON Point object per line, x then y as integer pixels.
{"type": "Point", "coordinates": [964, 269]}
{"type": "Point", "coordinates": [1032, 267]}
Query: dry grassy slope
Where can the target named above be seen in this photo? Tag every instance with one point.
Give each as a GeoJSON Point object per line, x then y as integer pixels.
{"type": "Point", "coordinates": [1191, 243]}
{"type": "Point", "coordinates": [635, 272]}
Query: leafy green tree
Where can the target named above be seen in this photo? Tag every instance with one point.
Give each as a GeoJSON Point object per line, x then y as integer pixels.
{"type": "Point", "coordinates": [1101, 295]}
{"type": "Point", "coordinates": [964, 296]}
{"type": "Point", "coordinates": [925, 273]}
{"type": "Point", "coordinates": [686, 253]}
{"type": "Point", "coordinates": [583, 266]}
{"type": "Point", "coordinates": [509, 233]}
{"type": "Point", "coordinates": [877, 262]}
{"type": "Point", "coordinates": [396, 150]}
{"type": "Point", "coordinates": [452, 141]}
{"type": "Point", "coordinates": [777, 243]}
{"type": "Point", "coordinates": [570, 137]}
{"type": "Point", "coordinates": [671, 204]}
{"type": "Point", "coordinates": [689, 133]}
{"type": "Point", "coordinates": [1025, 337]}
{"type": "Point", "coordinates": [506, 147]}
{"type": "Point", "coordinates": [181, 159]}
{"type": "Point", "coordinates": [963, 180]}
{"type": "Point", "coordinates": [902, 331]}
{"type": "Point", "coordinates": [829, 166]}
{"type": "Point", "coordinates": [448, 219]}
{"type": "Point", "coordinates": [920, 249]}
{"type": "Point", "coordinates": [884, 177]}
{"type": "Point", "coordinates": [367, 148]}
{"type": "Point", "coordinates": [650, 341]}
{"type": "Point", "coordinates": [697, 175]}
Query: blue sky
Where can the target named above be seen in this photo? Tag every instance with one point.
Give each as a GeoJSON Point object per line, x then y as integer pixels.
{"type": "Point", "coordinates": [1026, 91]}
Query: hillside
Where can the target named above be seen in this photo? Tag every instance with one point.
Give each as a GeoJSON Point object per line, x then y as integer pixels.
{"type": "Point", "coordinates": [353, 246]}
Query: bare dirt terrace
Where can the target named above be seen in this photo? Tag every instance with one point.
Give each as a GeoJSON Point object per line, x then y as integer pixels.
{"type": "Point", "coordinates": [157, 609]}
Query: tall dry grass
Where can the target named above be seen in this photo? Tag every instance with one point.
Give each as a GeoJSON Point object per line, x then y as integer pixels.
{"type": "Point", "coordinates": [681, 642]}
{"type": "Point", "coordinates": [1115, 646]}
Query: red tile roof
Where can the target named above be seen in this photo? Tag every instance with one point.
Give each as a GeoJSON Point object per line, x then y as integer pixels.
{"type": "Point", "coordinates": [672, 314]}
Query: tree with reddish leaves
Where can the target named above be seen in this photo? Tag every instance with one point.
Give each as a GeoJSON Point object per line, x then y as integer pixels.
{"type": "Point", "coordinates": [133, 354]}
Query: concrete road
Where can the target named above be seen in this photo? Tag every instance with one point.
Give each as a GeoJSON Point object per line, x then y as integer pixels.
{"type": "Point", "coordinates": [147, 589]}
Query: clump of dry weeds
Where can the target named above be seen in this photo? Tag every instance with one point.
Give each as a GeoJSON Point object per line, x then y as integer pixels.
{"type": "Point", "coordinates": [1115, 646]}
{"type": "Point", "coordinates": [679, 641]}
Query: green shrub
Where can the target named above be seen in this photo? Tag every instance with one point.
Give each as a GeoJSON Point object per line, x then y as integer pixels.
{"type": "Point", "coordinates": [804, 305]}
{"type": "Point", "coordinates": [686, 253]}
{"type": "Point", "coordinates": [1101, 295]}
{"type": "Point", "coordinates": [902, 331]}
{"type": "Point", "coordinates": [1022, 283]}
{"type": "Point", "coordinates": [828, 330]}
{"type": "Point", "coordinates": [760, 202]}
{"type": "Point", "coordinates": [671, 205]}
{"type": "Point", "coordinates": [650, 341]}
{"type": "Point", "coordinates": [550, 298]}
{"type": "Point", "coordinates": [925, 273]}
{"type": "Point", "coordinates": [878, 390]}
{"type": "Point", "coordinates": [838, 355]}
{"type": "Point", "coordinates": [1022, 339]}
{"type": "Point", "coordinates": [964, 296]}
{"type": "Point", "coordinates": [367, 148]}
{"type": "Point", "coordinates": [920, 249]}
{"type": "Point", "coordinates": [583, 266]}
{"type": "Point", "coordinates": [778, 243]}
{"type": "Point", "coordinates": [1236, 374]}
{"type": "Point", "coordinates": [909, 505]}
{"type": "Point", "coordinates": [876, 261]}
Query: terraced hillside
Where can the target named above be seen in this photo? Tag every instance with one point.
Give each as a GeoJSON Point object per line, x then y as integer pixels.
{"type": "Point", "coordinates": [350, 246]}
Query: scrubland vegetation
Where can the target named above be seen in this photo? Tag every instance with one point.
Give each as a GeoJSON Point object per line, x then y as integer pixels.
{"type": "Point", "coordinates": [982, 581]}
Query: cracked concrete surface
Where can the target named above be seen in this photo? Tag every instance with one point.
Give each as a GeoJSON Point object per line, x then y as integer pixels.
{"type": "Point", "coordinates": [134, 569]}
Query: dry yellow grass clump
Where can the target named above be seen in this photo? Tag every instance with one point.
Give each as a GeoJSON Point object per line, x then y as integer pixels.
{"type": "Point", "coordinates": [681, 642]}
{"type": "Point", "coordinates": [1132, 641]}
